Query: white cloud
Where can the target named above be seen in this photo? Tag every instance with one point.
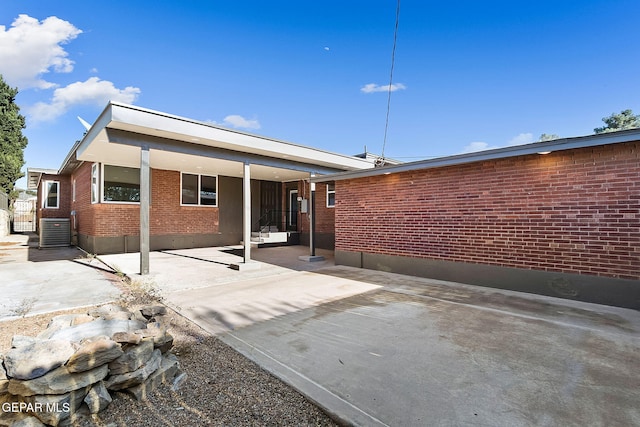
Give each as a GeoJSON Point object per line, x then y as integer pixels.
{"type": "Point", "coordinates": [31, 48]}
{"type": "Point", "coordinates": [240, 122]}
{"type": "Point", "coordinates": [520, 139]}
{"type": "Point", "coordinates": [93, 91]}
{"type": "Point", "coordinates": [372, 87]}
{"type": "Point", "coordinates": [477, 146]}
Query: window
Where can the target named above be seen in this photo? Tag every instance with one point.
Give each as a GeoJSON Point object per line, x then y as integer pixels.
{"type": "Point", "coordinates": [331, 195]}
{"type": "Point", "coordinates": [51, 194]}
{"type": "Point", "coordinates": [73, 190]}
{"type": "Point", "coordinates": [95, 189]}
{"type": "Point", "coordinates": [199, 190]}
{"type": "Point", "coordinates": [121, 184]}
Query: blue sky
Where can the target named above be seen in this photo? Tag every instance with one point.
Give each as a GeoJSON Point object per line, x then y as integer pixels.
{"type": "Point", "coordinates": [469, 75]}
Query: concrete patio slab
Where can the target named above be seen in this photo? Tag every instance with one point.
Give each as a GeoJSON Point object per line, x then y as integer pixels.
{"type": "Point", "coordinates": [201, 284]}
{"type": "Point", "coordinates": [35, 281]}
{"type": "Point", "coordinates": [178, 269]}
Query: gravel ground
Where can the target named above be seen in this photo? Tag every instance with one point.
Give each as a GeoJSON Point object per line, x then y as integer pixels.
{"type": "Point", "coordinates": [222, 386]}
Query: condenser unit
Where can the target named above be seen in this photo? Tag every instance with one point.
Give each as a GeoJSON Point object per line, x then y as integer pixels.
{"type": "Point", "coordinates": [55, 232]}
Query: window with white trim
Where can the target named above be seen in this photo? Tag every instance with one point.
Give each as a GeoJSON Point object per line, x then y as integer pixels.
{"type": "Point", "coordinates": [198, 190]}
{"type": "Point", "coordinates": [51, 197]}
{"type": "Point", "coordinates": [331, 195]}
{"type": "Point", "coordinates": [73, 190]}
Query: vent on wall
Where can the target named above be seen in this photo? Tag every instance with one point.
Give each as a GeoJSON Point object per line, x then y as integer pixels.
{"type": "Point", "coordinates": [54, 232]}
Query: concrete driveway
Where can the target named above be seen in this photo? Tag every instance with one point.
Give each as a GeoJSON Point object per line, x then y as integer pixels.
{"type": "Point", "coordinates": [376, 348]}
{"type": "Point", "coordinates": [421, 352]}
{"type": "Point", "coordinates": [34, 281]}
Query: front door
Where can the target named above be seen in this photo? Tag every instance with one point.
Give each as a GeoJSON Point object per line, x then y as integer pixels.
{"type": "Point", "coordinates": [292, 211]}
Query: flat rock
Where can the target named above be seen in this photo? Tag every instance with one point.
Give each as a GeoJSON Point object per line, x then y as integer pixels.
{"type": "Point", "coordinates": [111, 312]}
{"type": "Point", "coordinates": [64, 321]}
{"type": "Point", "coordinates": [153, 310]}
{"type": "Point", "coordinates": [4, 381]}
{"type": "Point", "coordinates": [164, 343]}
{"type": "Point", "coordinates": [28, 421]}
{"type": "Point", "coordinates": [130, 379]}
{"type": "Point", "coordinates": [36, 359]}
{"type": "Point", "coordinates": [53, 408]}
{"type": "Point", "coordinates": [94, 352]}
{"type": "Point", "coordinates": [164, 374]}
{"type": "Point", "coordinates": [133, 358]}
{"type": "Point", "coordinates": [58, 381]}
{"type": "Point", "coordinates": [98, 398]}
{"type": "Point", "coordinates": [161, 338]}
{"type": "Point", "coordinates": [97, 328]}
{"type": "Point", "coordinates": [7, 415]}
{"type": "Point", "coordinates": [21, 340]}
{"type": "Point", "coordinates": [127, 337]}
{"type": "Point", "coordinates": [179, 380]}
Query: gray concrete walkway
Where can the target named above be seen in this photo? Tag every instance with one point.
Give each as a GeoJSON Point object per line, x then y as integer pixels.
{"type": "Point", "coordinates": [34, 281]}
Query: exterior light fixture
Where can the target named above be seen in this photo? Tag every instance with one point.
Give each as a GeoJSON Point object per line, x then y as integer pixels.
{"type": "Point", "coordinates": [544, 152]}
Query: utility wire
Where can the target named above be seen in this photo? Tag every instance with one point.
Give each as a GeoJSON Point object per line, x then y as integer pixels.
{"type": "Point", "coordinates": [393, 60]}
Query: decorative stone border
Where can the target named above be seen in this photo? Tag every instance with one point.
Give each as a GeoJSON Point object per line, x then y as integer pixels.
{"type": "Point", "coordinates": [72, 366]}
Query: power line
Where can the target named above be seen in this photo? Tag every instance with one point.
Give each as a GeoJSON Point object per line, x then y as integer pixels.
{"type": "Point", "coordinates": [393, 60]}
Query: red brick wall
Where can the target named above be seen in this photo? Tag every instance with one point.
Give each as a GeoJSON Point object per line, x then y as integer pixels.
{"type": "Point", "coordinates": [325, 216]}
{"type": "Point", "coordinates": [121, 219]}
{"type": "Point", "coordinates": [575, 211]}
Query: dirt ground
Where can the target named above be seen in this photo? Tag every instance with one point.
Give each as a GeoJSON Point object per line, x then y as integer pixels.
{"type": "Point", "coordinates": [222, 387]}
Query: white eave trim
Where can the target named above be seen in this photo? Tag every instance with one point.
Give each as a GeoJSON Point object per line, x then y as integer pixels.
{"type": "Point", "coordinates": [35, 174]}
{"type": "Point", "coordinates": [499, 153]}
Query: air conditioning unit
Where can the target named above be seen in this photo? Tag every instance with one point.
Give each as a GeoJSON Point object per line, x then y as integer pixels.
{"type": "Point", "coordinates": [55, 232]}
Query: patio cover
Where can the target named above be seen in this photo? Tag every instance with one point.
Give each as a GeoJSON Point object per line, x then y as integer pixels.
{"type": "Point", "coordinates": [130, 136]}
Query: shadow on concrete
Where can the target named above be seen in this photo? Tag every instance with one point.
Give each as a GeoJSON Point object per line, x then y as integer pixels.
{"type": "Point", "coordinates": [236, 252]}
{"type": "Point", "coordinates": [24, 247]}
{"type": "Point", "coordinates": [197, 258]}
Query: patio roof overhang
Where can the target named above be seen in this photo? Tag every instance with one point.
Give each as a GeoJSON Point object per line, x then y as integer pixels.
{"type": "Point", "coordinates": [181, 144]}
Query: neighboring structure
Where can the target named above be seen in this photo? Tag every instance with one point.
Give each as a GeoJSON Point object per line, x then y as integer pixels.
{"type": "Point", "coordinates": [141, 180]}
{"type": "Point", "coordinates": [558, 218]}
{"type": "Point", "coordinates": [5, 227]}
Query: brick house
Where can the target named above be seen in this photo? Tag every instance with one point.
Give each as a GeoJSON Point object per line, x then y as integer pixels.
{"type": "Point", "coordinates": [559, 218]}
{"type": "Point", "coordinates": [143, 180]}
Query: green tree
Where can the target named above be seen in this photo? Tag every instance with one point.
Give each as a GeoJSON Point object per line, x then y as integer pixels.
{"type": "Point", "coordinates": [12, 142]}
{"type": "Point", "coordinates": [548, 137]}
{"type": "Point", "coordinates": [624, 120]}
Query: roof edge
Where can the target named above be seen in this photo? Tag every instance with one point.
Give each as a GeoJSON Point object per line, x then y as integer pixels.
{"type": "Point", "coordinates": [364, 163]}
{"type": "Point", "coordinates": [561, 144]}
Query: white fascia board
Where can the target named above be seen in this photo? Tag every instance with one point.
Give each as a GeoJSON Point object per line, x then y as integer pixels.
{"type": "Point", "coordinates": [98, 126]}
{"type": "Point", "coordinates": [35, 174]}
{"type": "Point", "coordinates": [195, 132]}
{"type": "Point", "coordinates": [499, 153]}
